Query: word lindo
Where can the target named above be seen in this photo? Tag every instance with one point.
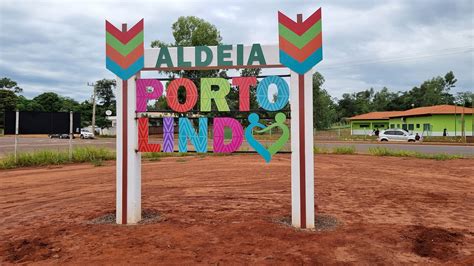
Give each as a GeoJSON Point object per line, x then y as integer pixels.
{"type": "Point", "coordinates": [152, 89]}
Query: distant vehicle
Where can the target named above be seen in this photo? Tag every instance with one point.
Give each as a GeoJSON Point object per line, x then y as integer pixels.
{"type": "Point", "coordinates": [60, 136]}
{"type": "Point", "coordinates": [396, 134]}
{"type": "Point", "coordinates": [86, 134]}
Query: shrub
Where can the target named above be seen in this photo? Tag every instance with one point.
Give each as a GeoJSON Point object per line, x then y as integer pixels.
{"type": "Point", "coordinates": [344, 150]}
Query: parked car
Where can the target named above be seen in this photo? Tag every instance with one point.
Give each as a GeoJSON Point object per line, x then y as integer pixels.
{"type": "Point", "coordinates": [86, 134]}
{"type": "Point", "coordinates": [396, 134]}
{"type": "Point", "coordinates": [60, 136]}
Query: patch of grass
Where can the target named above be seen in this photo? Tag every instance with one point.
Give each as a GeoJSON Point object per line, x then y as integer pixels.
{"type": "Point", "coordinates": [51, 157]}
{"type": "Point", "coordinates": [452, 139]}
{"type": "Point", "coordinates": [344, 150]}
{"type": "Point", "coordinates": [91, 154]}
{"type": "Point", "coordinates": [320, 150]}
{"type": "Point", "coordinates": [98, 163]}
{"type": "Point", "coordinates": [383, 151]}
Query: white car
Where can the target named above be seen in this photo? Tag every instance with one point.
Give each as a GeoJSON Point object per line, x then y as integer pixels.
{"type": "Point", "coordinates": [85, 134]}
{"type": "Point", "coordinates": [395, 134]}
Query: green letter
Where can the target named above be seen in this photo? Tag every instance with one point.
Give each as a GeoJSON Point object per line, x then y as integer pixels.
{"type": "Point", "coordinates": [198, 55]}
{"type": "Point", "coordinates": [164, 58]}
{"type": "Point", "coordinates": [256, 54]}
{"type": "Point", "coordinates": [181, 62]}
{"type": "Point", "coordinates": [222, 54]}
{"type": "Point", "coordinates": [219, 96]}
{"type": "Point", "coordinates": [240, 54]}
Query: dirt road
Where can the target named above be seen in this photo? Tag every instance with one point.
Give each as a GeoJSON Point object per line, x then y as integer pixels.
{"type": "Point", "coordinates": [231, 209]}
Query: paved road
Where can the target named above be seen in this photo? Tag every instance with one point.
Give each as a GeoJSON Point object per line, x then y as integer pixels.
{"type": "Point", "coordinates": [38, 143]}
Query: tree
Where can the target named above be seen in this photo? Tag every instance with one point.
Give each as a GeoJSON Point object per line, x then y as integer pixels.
{"type": "Point", "coordinates": [324, 111]}
{"type": "Point", "coordinates": [431, 92]}
{"type": "Point", "coordinates": [86, 113]}
{"type": "Point", "coordinates": [104, 91]}
{"type": "Point", "coordinates": [8, 100]}
{"type": "Point", "coordinates": [465, 98]}
{"type": "Point", "coordinates": [8, 84]}
{"type": "Point", "coordinates": [24, 104]}
{"type": "Point", "coordinates": [50, 101]}
{"type": "Point", "coordinates": [355, 103]}
{"type": "Point", "coordinates": [192, 31]}
{"type": "Point", "coordinates": [68, 104]}
{"type": "Point", "coordinates": [384, 100]}
{"type": "Point", "coordinates": [450, 81]}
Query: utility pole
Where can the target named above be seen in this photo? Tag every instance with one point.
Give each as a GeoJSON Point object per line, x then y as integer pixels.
{"type": "Point", "coordinates": [93, 106]}
{"type": "Point", "coordinates": [17, 129]}
{"type": "Point", "coordinates": [71, 134]}
{"type": "Point", "coordinates": [455, 120]}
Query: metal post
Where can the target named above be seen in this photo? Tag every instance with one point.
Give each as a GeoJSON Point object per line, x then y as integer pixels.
{"type": "Point", "coordinates": [17, 123]}
{"type": "Point", "coordinates": [93, 112]}
{"type": "Point", "coordinates": [70, 135]}
{"type": "Point", "coordinates": [455, 122]}
{"type": "Point", "coordinates": [93, 106]}
{"type": "Point", "coordinates": [463, 125]}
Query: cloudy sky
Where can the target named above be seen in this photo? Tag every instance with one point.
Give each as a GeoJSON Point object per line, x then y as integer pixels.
{"type": "Point", "coordinates": [59, 45]}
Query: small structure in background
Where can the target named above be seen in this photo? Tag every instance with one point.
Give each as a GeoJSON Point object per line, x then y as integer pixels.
{"type": "Point", "coordinates": [426, 121]}
{"type": "Point", "coordinates": [41, 122]}
{"type": "Point", "coordinates": [365, 124]}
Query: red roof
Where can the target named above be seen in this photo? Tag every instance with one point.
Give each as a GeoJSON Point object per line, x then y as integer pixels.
{"type": "Point", "coordinates": [375, 115]}
{"type": "Point", "coordinates": [428, 110]}
{"type": "Point", "coordinates": [432, 110]}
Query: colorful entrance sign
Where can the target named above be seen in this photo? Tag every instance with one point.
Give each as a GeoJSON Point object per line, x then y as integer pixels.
{"type": "Point", "coordinates": [152, 89]}
{"type": "Point", "coordinates": [299, 50]}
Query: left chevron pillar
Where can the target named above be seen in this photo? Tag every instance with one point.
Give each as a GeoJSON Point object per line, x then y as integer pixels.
{"type": "Point", "coordinates": [125, 58]}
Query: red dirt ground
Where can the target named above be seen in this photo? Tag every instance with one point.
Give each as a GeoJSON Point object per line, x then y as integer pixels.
{"type": "Point", "coordinates": [225, 209]}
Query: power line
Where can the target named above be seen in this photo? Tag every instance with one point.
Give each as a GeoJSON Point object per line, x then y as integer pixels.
{"type": "Point", "coordinates": [459, 50]}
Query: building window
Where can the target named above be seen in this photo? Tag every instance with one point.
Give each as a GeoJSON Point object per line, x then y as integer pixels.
{"type": "Point", "coordinates": [426, 127]}
{"type": "Point", "coordinates": [364, 125]}
{"type": "Point", "coordinates": [404, 126]}
{"type": "Point", "coordinates": [398, 125]}
{"type": "Point", "coordinates": [411, 127]}
{"type": "Point", "coordinates": [392, 125]}
{"type": "Point", "coordinates": [417, 125]}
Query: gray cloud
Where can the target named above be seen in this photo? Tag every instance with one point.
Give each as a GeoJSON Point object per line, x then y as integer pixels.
{"type": "Point", "coordinates": [59, 45]}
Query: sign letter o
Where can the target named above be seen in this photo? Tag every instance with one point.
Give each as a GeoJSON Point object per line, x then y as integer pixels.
{"type": "Point", "coordinates": [172, 95]}
{"type": "Point", "coordinates": [283, 93]}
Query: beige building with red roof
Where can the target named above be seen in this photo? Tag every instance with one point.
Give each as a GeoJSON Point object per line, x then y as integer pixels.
{"type": "Point", "coordinates": [438, 120]}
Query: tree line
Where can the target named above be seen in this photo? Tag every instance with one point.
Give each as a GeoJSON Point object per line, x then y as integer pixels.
{"type": "Point", "coordinates": [435, 91]}
{"type": "Point", "coordinates": [11, 100]}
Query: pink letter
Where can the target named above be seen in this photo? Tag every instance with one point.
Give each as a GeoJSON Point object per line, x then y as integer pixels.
{"type": "Point", "coordinates": [237, 134]}
{"type": "Point", "coordinates": [143, 95]}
